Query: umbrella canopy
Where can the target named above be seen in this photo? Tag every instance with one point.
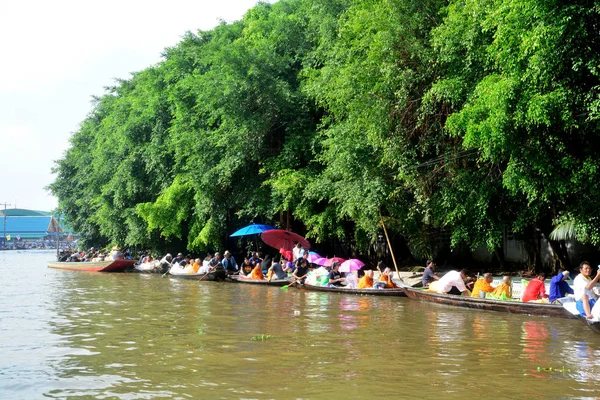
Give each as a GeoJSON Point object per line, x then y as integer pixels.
{"type": "Point", "coordinates": [320, 261]}
{"type": "Point", "coordinates": [279, 238]}
{"type": "Point", "coordinates": [330, 261]}
{"type": "Point", "coordinates": [252, 229]}
{"type": "Point", "coordinates": [288, 254]}
{"type": "Point", "coordinates": [350, 265]}
{"type": "Point", "coordinates": [312, 257]}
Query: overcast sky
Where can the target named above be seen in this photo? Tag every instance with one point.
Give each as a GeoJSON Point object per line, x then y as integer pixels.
{"type": "Point", "coordinates": [57, 54]}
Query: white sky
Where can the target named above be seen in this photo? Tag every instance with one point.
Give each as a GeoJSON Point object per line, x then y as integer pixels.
{"type": "Point", "coordinates": [55, 55]}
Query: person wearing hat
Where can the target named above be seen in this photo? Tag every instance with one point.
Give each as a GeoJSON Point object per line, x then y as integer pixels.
{"type": "Point", "coordinates": [229, 263]}
{"type": "Point", "coordinates": [559, 286]}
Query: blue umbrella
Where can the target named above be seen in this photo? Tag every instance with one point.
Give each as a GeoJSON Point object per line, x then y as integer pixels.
{"type": "Point", "coordinates": [252, 230]}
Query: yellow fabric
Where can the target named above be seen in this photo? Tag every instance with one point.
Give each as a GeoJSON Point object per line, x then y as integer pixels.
{"type": "Point", "coordinates": [195, 268]}
{"type": "Point", "coordinates": [502, 288]}
{"type": "Point", "coordinates": [388, 281]}
{"type": "Point", "coordinates": [270, 274]}
{"type": "Point", "coordinates": [365, 282]}
{"type": "Point", "coordinates": [481, 286]}
{"type": "Point", "coordinates": [189, 269]}
{"type": "Point", "coordinates": [257, 273]}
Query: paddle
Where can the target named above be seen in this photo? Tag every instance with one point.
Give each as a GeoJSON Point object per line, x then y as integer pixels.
{"type": "Point", "coordinates": [296, 281]}
{"type": "Point", "coordinates": [209, 271]}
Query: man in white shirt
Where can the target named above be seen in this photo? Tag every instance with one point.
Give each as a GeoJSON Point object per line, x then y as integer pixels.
{"type": "Point", "coordinates": [582, 286]}
{"type": "Point", "coordinates": [453, 282]}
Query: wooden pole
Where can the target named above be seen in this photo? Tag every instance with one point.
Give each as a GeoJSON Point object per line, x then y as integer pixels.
{"type": "Point", "coordinates": [387, 238]}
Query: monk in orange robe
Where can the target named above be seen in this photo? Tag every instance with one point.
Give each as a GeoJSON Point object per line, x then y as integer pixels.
{"type": "Point", "coordinates": [386, 276]}
{"type": "Point", "coordinates": [257, 273]}
{"type": "Point", "coordinates": [483, 285]}
{"type": "Point", "coordinates": [366, 281]}
{"type": "Point", "coordinates": [503, 288]}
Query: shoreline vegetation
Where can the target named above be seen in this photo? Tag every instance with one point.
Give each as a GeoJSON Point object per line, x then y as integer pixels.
{"type": "Point", "coordinates": [452, 122]}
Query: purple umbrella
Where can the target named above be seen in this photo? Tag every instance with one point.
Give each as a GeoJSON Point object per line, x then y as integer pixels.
{"type": "Point", "coordinates": [312, 257]}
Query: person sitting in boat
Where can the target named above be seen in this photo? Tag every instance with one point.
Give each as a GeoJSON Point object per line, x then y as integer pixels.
{"type": "Point", "coordinates": [184, 263]}
{"type": "Point", "coordinates": [453, 282]}
{"type": "Point", "coordinates": [386, 277]}
{"type": "Point", "coordinates": [301, 270]}
{"type": "Point", "coordinates": [177, 259]}
{"type": "Point", "coordinates": [429, 274]}
{"type": "Point", "coordinates": [193, 267]}
{"type": "Point", "coordinates": [116, 254]}
{"type": "Point", "coordinates": [503, 289]}
{"type": "Point", "coordinates": [366, 282]}
{"type": "Point", "coordinates": [255, 259]}
{"type": "Point", "coordinates": [335, 276]}
{"type": "Point", "coordinates": [583, 286]}
{"type": "Point", "coordinates": [276, 270]}
{"type": "Point", "coordinates": [216, 261]}
{"type": "Point", "coordinates": [535, 290]}
{"type": "Point", "coordinates": [257, 273]}
{"type": "Point", "coordinates": [229, 263]}
{"type": "Point", "coordinates": [246, 267]}
{"type": "Point", "coordinates": [165, 263]}
{"type": "Point", "coordinates": [483, 286]}
{"type": "Point", "coordinates": [559, 286]}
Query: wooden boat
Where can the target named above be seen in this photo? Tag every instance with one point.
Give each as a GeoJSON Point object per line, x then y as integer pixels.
{"type": "Point", "coordinates": [367, 292]}
{"type": "Point", "coordinates": [217, 274]}
{"type": "Point", "coordinates": [98, 266]}
{"type": "Point", "coordinates": [265, 282]}
{"type": "Point", "coordinates": [515, 307]}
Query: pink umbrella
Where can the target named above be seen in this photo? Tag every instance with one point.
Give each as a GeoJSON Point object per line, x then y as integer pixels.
{"type": "Point", "coordinates": [330, 261]}
{"type": "Point", "coordinates": [320, 261]}
{"type": "Point", "coordinates": [350, 265]}
{"type": "Point", "coordinates": [312, 257]}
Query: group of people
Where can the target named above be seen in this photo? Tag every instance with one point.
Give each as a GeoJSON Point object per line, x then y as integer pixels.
{"type": "Point", "coordinates": [455, 282]}
{"type": "Point", "coordinates": [92, 255]}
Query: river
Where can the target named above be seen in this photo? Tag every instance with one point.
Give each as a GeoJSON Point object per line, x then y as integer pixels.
{"type": "Point", "coordinates": [80, 335]}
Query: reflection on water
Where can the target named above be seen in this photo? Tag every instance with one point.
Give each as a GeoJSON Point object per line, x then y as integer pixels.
{"type": "Point", "coordinates": [87, 335]}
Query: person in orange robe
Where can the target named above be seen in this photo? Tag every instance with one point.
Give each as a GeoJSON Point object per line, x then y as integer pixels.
{"type": "Point", "coordinates": [366, 281]}
{"type": "Point", "coordinates": [503, 288]}
{"type": "Point", "coordinates": [386, 276]}
{"type": "Point", "coordinates": [257, 273]}
{"type": "Point", "coordinates": [483, 285]}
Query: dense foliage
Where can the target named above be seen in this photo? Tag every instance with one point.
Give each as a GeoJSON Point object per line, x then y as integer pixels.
{"type": "Point", "coordinates": [462, 119]}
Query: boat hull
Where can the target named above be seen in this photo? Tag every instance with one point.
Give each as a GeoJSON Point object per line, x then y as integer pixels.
{"type": "Point", "coordinates": [399, 292]}
{"type": "Point", "coordinates": [99, 266]}
{"type": "Point", "coordinates": [216, 275]}
{"type": "Point", "coordinates": [264, 282]}
{"type": "Point", "coordinates": [513, 307]}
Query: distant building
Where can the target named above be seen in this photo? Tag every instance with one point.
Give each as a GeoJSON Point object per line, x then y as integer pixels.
{"type": "Point", "coordinates": [17, 225]}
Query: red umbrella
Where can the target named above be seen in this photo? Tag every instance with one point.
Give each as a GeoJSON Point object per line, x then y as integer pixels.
{"type": "Point", "coordinates": [279, 238]}
{"type": "Point", "coordinates": [330, 261]}
{"type": "Point", "coordinates": [288, 254]}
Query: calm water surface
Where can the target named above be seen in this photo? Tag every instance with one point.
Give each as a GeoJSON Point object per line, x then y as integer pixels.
{"type": "Point", "coordinates": [78, 335]}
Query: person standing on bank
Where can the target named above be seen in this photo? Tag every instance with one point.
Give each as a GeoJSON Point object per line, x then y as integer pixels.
{"type": "Point", "coordinates": [429, 274]}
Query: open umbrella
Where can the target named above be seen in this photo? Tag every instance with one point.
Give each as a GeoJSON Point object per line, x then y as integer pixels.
{"type": "Point", "coordinates": [312, 257]}
{"type": "Point", "coordinates": [252, 229]}
{"type": "Point", "coordinates": [350, 265]}
{"type": "Point", "coordinates": [288, 254]}
{"type": "Point", "coordinates": [279, 238]}
{"type": "Point", "coordinates": [320, 261]}
{"type": "Point", "coordinates": [330, 261]}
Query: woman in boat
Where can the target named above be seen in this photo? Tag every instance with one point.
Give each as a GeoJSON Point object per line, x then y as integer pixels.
{"type": "Point", "coordinates": [301, 270]}
{"type": "Point", "coordinates": [483, 286]}
{"type": "Point", "coordinates": [535, 289]}
{"type": "Point", "coordinates": [335, 276]}
{"type": "Point", "coordinates": [366, 282]}
{"type": "Point", "coordinates": [386, 277]}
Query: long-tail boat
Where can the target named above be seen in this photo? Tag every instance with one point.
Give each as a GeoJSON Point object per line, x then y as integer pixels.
{"type": "Point", "coordinates": [265, 282]}
{"type": "Point", "coordinates": [345, 290]}
{"type": "Point", "coordinates": [97, 266]}
{"type": "Point", "coordinates": [515, 307]}
{"type": "Point", "coordinates": [217, 274]}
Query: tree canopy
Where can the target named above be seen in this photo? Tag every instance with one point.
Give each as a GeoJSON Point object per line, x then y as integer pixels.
{"type": "Point", "coordinates": [463, 119]}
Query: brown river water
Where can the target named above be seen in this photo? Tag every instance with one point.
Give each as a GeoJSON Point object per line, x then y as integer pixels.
{"type": "Point", "coordinates": [81, 335]}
